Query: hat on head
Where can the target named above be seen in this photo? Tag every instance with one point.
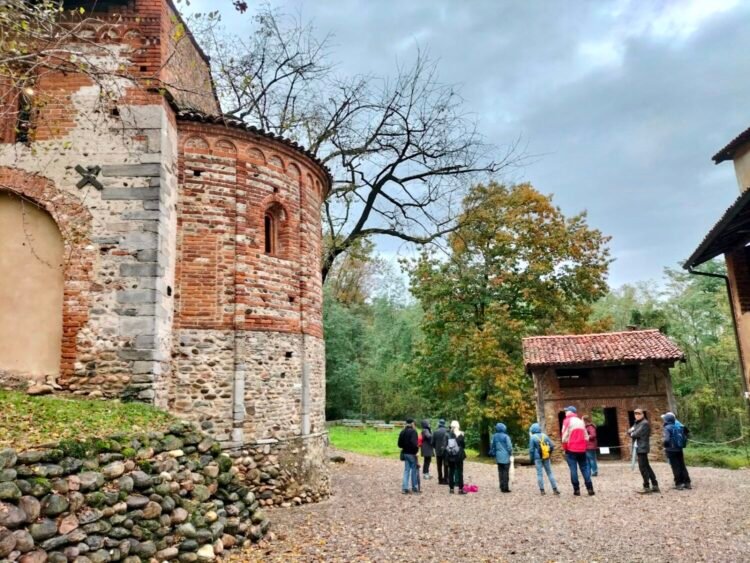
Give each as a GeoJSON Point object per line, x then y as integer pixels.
{"type": "Point", "coordinates": [409, 420]}
{"type": "Point", "coordinates": [571, 409]}
{"type": "Point", "coordinates": [666, 414]}
{"type": "Point", "coordinates": [639, 411]}
{"type": "Point", "coordinates": [441, 422]}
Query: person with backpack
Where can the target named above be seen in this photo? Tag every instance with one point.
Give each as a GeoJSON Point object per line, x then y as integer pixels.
{"type": "Point", "coordinates": [502, 448]}
{"type": "Point", "coordinates": [675, 440]}
{"type": "Point", "coordinates": [540, 452]}
{"type": "Point", "coordinates": [574, 438]}
{"type": "Point", "coordinates": [439, 443]}
{"type": "Point", "coordinates": [640, 432]}
{"type": "Point", "coordinates": [591, 446]}
{"type": "Point", "coordinates": [455, 452]}
{"type": "Point", "coordinates": [427, 449]}
{"type": "Point", "coordinates": [408, 441]}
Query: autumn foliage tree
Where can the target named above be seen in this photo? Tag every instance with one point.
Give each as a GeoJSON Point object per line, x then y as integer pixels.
{"type": "Point", "coordinates": [516, 266]}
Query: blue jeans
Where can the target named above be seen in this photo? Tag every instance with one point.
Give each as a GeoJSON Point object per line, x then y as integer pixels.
{"type": "Point", "coordinates": [410, 468]}
{"type": "Point", "coordinates": [544, 463]}
{"type": "Point", "coordinates": [591, 456]}
{"type": "Point", "coordinates": [576, 460]}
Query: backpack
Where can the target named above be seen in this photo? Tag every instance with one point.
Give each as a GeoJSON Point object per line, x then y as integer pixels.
{"type": "Point", "coordinates": [544, 446]}
{"type": "Point", "coordinates": [452, 450]}
{"type": "Point", "coordinates": [679, 435]}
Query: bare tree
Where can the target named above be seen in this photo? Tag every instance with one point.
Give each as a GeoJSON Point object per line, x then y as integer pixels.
{"type": "Point", "coordinates": [401, 150]}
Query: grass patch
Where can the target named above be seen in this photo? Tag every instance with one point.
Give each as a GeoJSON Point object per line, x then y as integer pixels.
{"type": "Point", "coordinates": [378, 443]}
{"type": "Point", "coordinates": [34, 421]}
{"type": "Point", "coordinates": [718, 456]}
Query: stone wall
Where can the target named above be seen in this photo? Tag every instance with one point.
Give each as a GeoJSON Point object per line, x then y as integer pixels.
{"type": "Point", "coordinates": [162, 496]}
{"type": "Point", "coordinates": [653, 394]}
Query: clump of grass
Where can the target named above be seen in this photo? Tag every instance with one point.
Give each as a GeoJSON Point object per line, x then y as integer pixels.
{"type": "Point", "coordinates": [718, 456]}
{"type": "Point", "coordinates": [34, 421]}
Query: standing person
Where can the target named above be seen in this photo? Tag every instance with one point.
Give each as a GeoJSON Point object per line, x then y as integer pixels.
{"type": "Point", "coordinates": [455, 452]}
{"type": "Point", "coordinates": [439, 443]}
{"type": "Point", "coordinates": [502, 448]}
{"type": "Point", "coordinates": [427, 449]}
{"type": "Point", "coordinates": [640, 432]}
{"type": "Point", "coordinates": [675, 440]}
{"type": "Point", "coordinates": [574, 440]}
{"type": "Point", "coordinates": [540, 452]}
{"type": "Point", "coordinates": [407, 441]}
{"type": "Point", "coordinates": [591, 446]}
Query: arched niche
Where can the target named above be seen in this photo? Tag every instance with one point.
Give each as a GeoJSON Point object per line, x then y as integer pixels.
{"type": "Point", "coordinates": [31, 289]}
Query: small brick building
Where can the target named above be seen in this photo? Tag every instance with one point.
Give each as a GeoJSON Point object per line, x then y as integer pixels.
{"type": "Point", "coordinates": [153, 249]}
{"type": "Point", "coordinates": [606, 375]}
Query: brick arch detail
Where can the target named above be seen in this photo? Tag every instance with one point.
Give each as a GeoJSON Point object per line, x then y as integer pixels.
{"type": "Point", "coordinates": [74, 222]}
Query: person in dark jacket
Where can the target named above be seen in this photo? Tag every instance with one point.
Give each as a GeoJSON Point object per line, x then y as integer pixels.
{"type": "Point", "coordinates": [591, 446]}
{"type": "Point", "coordinates": [641, 435]}
{"type": "Point", "coordinates": [673, 449]}
{"type": "Point", "coordinates": [439, 442]}
{"type": "Point", "coordinates": [456, 460]}
{"type": "Point", "coordinates": [427, 449]}
{"type": "Point", "coordinates": [502, 448]}
{"type": "Point", "coordinates": [408, 441]}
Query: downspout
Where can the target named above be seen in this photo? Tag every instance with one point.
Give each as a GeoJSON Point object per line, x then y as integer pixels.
{"type": "Point", "coordinates": [746, 394]}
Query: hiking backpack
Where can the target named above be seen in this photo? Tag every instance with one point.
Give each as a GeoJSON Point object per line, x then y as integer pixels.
{"type": "Point", "coordinates": [452, 450]}
{"type": "Point", "coordinates": [544, 446]}
{"type": "Point", "coordinates": [679, 435]}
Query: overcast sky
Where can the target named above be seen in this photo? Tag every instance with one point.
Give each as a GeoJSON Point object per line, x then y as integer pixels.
{"type": "Point", "coordinates": [624, 101]}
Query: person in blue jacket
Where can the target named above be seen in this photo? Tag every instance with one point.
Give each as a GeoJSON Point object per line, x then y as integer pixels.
{"type": "Point", "coordinates": [502, 448]}
{"type": "Point", "coordinates": [536, 439]}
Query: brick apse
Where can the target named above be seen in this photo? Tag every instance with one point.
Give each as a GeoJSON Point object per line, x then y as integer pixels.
{"type": "Point", "coordinates": [191, 243]}
{"type": "Point", "coordinates": [608, 375]}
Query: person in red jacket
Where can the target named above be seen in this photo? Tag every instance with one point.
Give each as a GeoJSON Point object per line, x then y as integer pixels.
{"type": "Point", "coordinates": [591, 446]}
{"type": "Point", "coordinates": [574, 438]}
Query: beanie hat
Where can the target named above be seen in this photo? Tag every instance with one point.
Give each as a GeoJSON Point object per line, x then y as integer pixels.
{"type": "Point", "coordinates": [571, 409]}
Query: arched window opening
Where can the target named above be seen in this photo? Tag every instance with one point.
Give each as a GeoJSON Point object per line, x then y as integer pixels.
{"type": "Point", "coordinates": [271, 234]}
{"type": "Point", "coordinates": [274, 226]}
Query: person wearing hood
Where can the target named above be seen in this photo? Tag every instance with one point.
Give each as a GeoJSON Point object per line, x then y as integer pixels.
{"type": "Point", "coordinates": [640, 432]}
{"type": "Point", "coordinates": [439, 442]}
{"type": "Point", "coordinates": [574, 438]}
{"type": "Point", "coordinates": [591, 446]}
{"type": "Point", "coordinates": [502, 448]}
{"type": "Point", "coordinates": [427, 449]}
{"type": "Point", "coordinates": [675, 439]}
{"type": "Point", "coordinates": [537, 456]}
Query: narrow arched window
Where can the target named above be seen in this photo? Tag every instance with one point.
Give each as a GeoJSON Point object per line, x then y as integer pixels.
{"type": "Point", "coordinates": [271, 234]}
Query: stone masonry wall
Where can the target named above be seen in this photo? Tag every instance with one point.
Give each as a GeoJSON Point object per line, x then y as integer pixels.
{"type": "Point", "coordinates": [653, 394]}
{"type": "Point", "coordinates": [156, 497]}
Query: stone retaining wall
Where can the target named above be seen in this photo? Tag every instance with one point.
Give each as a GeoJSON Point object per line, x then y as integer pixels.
{"type": "Point", "coordinates": [285, 472]}
{"type": "Point", "coordinates": [157, 496]}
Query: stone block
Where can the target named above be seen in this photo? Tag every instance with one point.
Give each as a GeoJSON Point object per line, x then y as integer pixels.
{"type": "Point", "coordinates": [132, 170]}
{"type": "Point", "coordinates": [150, 194]}
{"type": "Point", "coordinates": [136, 326]}
{"type": "Point", "coordinates": [136, 296]}
{"type": "Point", "coordinates": [140, 240]}
{"type": "Point", "coordinates": [146, 270]}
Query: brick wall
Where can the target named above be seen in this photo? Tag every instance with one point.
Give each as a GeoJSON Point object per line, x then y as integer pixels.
{"type": "Point", "coordinates": [653, 394]}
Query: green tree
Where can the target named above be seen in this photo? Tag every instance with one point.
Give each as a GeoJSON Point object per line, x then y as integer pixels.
{"type": "Point", "coordinates": [516, 266]}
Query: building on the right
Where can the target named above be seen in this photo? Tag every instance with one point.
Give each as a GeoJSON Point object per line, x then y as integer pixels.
{"type": "Point", "coordinates": [730, 236]}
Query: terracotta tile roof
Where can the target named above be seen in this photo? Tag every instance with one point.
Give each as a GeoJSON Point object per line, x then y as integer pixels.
{"type": "Point", "coordinates": [609, 347]}
{"type": "Point", "coordinates": [727, 153]}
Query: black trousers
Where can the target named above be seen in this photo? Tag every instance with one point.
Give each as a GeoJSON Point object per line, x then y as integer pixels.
{"type": "Point", "coordinates": [646, 471]}
{"type": "Point", "coordinates": [426, 468]}
{"type": "Point", "coordinates": [442, 465]}
{"type": "Point", "coordinates": [503, 473]}
{"type": "Point", "coordinates": [679, 469]}
{"type": "Point", "coordinates": [456, 474]}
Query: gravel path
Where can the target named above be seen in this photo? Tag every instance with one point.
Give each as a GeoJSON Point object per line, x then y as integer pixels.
{"type": "Point", "coordinates": [368, 519]}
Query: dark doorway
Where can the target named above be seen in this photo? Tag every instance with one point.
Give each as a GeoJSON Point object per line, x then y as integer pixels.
{"type": "Point", "coordinates": [560, 418]}
{"type": "Point", "coordinates": [607, 431]}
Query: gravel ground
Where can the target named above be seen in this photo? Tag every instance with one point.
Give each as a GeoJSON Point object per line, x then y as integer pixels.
{"type": "Point", "coordinates": [368, 519]}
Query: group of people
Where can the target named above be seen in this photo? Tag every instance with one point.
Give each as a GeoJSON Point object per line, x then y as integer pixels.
{"type": "Point", "coordinates": [579, 443]}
